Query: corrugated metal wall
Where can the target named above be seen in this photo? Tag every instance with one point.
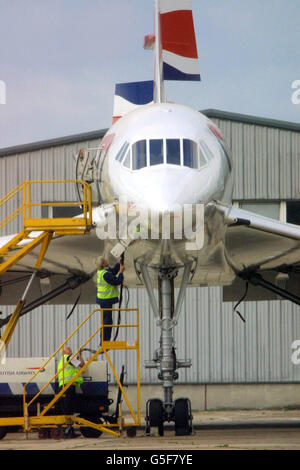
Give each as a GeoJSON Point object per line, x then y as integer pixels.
{"type": "Point", "coordinates": [54, 163]}
{"type": "Point", "coordinates": [266, 160]}
{"type": "Point", "coordinates": [223, 349]}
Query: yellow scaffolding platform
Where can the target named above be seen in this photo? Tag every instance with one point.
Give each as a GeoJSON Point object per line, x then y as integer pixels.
{"type": "Point", "coordinates": [37, 231]}
{"type": "Point", "coordinates": [25, 241]}
{"type": "Point", "coordinates": [45, 420]}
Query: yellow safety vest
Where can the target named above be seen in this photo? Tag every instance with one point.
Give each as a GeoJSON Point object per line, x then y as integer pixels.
{"type": "Point", "coordinates": [104, 289]}
{"type": "Point", "coordinates": [66, 373]}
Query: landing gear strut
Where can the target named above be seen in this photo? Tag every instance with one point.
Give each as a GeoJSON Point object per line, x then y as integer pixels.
{"type": "Point", "coordinates": [165, 361]}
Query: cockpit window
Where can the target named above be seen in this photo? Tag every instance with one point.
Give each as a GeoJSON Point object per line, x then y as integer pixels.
{"type": "Point", "coordinates": [156, 152]}
{"type": "Point", "coordinates": [122, 151]}
{"type": "Point", "coordinates": [139, 155]}
{"type": "Point", "coordinates": [206, 150]}
{"type": "Point", "coordinates": [173, 151]}
{"type": "Point", "coordinates": [153, 152]}
{"type": "Point", "coordinates": [202, 159]}
{"type": "Point", "coordinates": [127, 159]}
{"type": "Point", "coordinates": [226, 153]}
{"type": "Point", "coordinates": [190, 154]}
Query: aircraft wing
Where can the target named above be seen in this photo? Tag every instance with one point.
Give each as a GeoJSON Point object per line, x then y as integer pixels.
{"type": "Point", "coordinates": [255, 244]}
{"type": "Point", "coordinates": [68, 258]}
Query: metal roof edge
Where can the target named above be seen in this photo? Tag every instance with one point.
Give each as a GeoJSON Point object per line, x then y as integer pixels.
{"type": "Point", "coordinates": [210, 113]}
{"type": "Point", "coordinates": [248, 119]}
{"type": "Point", "coordinates": [44, 144]}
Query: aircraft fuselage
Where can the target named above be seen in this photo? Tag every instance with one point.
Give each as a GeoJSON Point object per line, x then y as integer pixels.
{"type": "Point", "coordinates": [163, 158]}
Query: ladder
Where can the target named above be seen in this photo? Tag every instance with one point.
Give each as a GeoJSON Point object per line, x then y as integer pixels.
{"type": "Point", "coordinates": [39, 231]}
{"type": "Point", "coordinates": [36, 232]}
{"type": "Point", "coordinates": [46, 419]}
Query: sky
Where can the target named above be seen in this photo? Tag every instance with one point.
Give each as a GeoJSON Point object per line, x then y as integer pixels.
{"type": "Point", "coordinates": [60, 61]}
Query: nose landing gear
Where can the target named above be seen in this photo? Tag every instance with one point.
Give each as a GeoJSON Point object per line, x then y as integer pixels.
{"type": "Point", "coordinates": [160, 411]}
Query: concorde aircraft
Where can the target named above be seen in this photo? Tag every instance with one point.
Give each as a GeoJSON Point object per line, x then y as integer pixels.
{"type": "Point", "coordinates": [172, 164]}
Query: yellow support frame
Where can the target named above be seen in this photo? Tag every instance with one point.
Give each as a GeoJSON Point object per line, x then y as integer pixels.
{"type": "Point", "coordinates": [10, 327]}
{"type": "Point", "coordinates": [42, 420]}
{"type": "Point", "coordinates": [13, 251]}
{"type": "Point", "coordinates": [76, 225]}
{"type": "Point", "coordinates": [45, 240]}
{"type": "Point", "coordinates": [53, 421]}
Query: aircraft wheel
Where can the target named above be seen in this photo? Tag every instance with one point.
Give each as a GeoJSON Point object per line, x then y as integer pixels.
{"type": "Point", "coordinates": [156, 415]}
{"type": "Point", "coordinates": [182, 417]}
{"type": "Point", "coordinates": [131, 432]}
{"type": "Point", "coordinates": [161, 429]}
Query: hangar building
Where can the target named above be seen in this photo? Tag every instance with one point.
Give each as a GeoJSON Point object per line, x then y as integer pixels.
{"type": "Point", "coordinates": [234, 364]}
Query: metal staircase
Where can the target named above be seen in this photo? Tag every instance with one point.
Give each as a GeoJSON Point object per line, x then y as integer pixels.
{"type": "Point", "coordinates": [111, 424]}
{"type": "Point", "coordinates": [37, 231]}
{"type": "Point", "coordinates": [20, 245]}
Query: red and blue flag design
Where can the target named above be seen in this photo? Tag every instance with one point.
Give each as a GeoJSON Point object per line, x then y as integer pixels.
{"type": "Point", "coordinates": [178, 41]}
{"type": "Point", "coordinates": [129, 96]}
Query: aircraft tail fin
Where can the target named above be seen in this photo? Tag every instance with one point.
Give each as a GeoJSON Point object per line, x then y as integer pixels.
{"type": "Point", "coordinates": [176, 56]}
{"type": "Point", "coordinates": [129, 96]}
{"type": "Point", "coordinates": [179, 48]}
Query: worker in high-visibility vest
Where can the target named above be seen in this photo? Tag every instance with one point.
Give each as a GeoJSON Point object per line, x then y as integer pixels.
{"type": "Point", "coordinates": [108, 280]}
{"type": "Point", "coordinates": [66, 372]}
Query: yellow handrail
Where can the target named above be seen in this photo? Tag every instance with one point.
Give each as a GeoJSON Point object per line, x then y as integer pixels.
{"type": "Point", "coordinates": [26, 205]}
{"type": "Point", "coordinates": [10, 194]}
{"type": "Point", "coordinates": [13, 215]}
{"type": "Point", "coordinates": [96, 353]}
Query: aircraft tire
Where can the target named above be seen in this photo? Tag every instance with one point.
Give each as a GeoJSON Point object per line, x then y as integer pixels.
{"type": "Point", "coordinates": [156, 415]}
{"type": "Point", "coordinates": [131, 432]}
{"type": "Point", "coordinates": [182, 417]}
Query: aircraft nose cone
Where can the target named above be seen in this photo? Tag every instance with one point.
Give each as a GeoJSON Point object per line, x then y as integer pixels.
{"type": "Point", "coordinates": [164, 192]}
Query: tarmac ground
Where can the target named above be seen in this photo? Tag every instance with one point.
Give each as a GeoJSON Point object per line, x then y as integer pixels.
{"type": "Point", "coordinates": [212, 430]}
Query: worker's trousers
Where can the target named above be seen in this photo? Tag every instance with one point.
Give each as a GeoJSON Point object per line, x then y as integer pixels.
{"type": "Point", "coordinates": [68, 400]}
{"type": "Point", "coordinates": [107, 317]}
